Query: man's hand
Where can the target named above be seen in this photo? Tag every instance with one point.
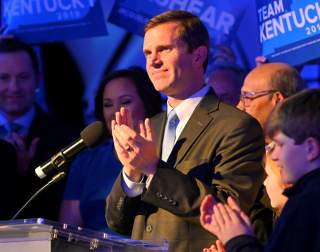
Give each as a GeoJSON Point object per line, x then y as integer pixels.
{"type": "Point", "coordinates": [136, 151]}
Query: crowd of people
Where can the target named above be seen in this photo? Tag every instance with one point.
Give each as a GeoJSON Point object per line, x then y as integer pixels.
{"type": "Point", "coordinates": [232, 164]}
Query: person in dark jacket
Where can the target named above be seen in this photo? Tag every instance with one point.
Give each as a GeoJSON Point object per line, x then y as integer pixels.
{"type": "Point", "coordinates": [34, 134]}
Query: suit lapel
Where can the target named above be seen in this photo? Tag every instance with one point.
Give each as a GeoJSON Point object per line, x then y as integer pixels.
{"type": "Point", "coordinates": [198, 122]}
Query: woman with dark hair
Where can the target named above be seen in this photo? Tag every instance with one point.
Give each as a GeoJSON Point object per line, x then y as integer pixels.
{"type": "Point", "coordinates": [94, 171]}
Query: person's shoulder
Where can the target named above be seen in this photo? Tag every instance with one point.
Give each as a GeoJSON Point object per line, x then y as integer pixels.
{"type": "Point", "coordinates": [236, 115]}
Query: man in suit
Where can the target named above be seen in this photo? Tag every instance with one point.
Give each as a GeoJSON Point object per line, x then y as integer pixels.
{"type": "Point", "coordinates": [218, 149]}
{"type": "Point", "coordinates": [35, 135]}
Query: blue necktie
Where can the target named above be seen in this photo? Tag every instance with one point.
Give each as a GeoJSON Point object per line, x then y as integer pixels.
{"type": "Point", "coordinates": [14, 127]}
{"type": "Point", "coordinates": [169, 135]}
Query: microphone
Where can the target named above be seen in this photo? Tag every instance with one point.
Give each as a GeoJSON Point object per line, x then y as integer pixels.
{"type": "Point", "coordinates": [91, 136]}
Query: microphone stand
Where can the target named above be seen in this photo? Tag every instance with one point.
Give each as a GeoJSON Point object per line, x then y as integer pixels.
{"type": "Point", "coordinates": [55, 179]}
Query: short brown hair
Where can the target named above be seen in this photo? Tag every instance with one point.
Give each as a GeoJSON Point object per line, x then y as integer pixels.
{"type": "Point", "coordinates": [192, 31]}
{"type": "Point", "coordinates": [298, 117]}
{"type": "Point", "coordinates": [13, 45]}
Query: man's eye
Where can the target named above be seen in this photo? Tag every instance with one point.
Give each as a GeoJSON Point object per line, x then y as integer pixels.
{"type": "Point", "coordinates": [24, 77]}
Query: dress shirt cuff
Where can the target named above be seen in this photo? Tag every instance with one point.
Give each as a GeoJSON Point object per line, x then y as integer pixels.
{"type": "Point", "coordinates": [132, 189]}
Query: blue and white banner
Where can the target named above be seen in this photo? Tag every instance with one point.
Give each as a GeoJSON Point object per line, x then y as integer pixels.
{"type": "Point", "coordinates": [37, 21]}
{"type": "Point", "coordinates": [289, 30]}
{"type": "Point", "coordinates": [221, 17]}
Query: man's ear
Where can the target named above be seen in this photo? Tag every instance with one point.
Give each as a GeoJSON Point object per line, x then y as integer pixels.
{"type": "Point", "coordinates": [39, 79]}
{"type": "Point", "coordinates": [200, 55]}
{"type": "Point", "coordinates": [312, 148]}
{"type": "Point", "coordinates": [278, 97]}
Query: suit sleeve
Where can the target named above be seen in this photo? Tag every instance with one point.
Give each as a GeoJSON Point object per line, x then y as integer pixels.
{"type": "Point", "coordinates": [234, 168]}
{"type": "Point", "coordinates": [121, 209]}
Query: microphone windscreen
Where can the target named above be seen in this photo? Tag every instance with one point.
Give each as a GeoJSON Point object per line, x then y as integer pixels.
{"type": "Point", "coordinates": [93, 134]}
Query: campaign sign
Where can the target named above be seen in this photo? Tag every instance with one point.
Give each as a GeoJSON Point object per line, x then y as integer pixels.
{"type": "Point", "coordinates": [289, 30]}
{"type": "Point", "coordinates": [221, 17]}
{"type": "Point", "coordinates": [37, 21]}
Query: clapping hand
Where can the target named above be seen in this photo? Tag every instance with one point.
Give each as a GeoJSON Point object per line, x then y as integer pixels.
{"type": "Point", "coordinates": [226, 221]}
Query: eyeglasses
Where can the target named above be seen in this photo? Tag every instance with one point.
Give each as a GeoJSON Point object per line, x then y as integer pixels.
{"type": "Point", "coordinates": [246, 97]}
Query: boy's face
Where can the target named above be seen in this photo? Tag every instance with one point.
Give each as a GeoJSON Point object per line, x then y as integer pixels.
{"type": "Point", "coordinates": [290, 157]}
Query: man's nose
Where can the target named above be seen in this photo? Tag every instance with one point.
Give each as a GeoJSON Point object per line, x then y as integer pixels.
{"type": "Point", "coordinates": [13, 84]}
{"type": "Point", "coordinates": [155, 60]}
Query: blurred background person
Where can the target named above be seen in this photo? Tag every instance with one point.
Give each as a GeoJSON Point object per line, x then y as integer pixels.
{"type": "Point", "coordinates": [224, 75]}
{"type": "Point", "coordinates": [35, 135]}
{"type": "Point", "coordinates": [94, 171]}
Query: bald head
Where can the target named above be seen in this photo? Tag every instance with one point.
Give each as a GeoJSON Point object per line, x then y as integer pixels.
{"type": "Point", "coordinates": [268, 84]}
{"type": "Point", "coordinates": [277, 76]}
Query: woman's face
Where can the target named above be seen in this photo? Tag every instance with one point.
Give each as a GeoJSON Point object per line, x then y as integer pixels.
{"type": "Point", "coordinates": [274, 185]}
{"type": "Point", "coordinates": [121, 92]}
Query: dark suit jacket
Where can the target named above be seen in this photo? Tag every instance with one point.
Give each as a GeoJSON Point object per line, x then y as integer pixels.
{"type": "Point", "coordinates": [219, 151]}
{"type": "Point", "coordinates": [54, 135]}
{"type": "Point", "coordinates": [8, 180]}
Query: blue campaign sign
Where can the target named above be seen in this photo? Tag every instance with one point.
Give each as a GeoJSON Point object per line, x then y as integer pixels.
{"type": "Point", "coordinates": [222, 17]}
{"type": "Point", "coordinates": [289, 30]}
{"type": "Point", "coordinates": [36, 21]}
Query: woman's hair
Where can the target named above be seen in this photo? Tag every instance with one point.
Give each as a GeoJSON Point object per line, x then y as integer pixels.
{"type": "Point", "coordinates": [150, 98]}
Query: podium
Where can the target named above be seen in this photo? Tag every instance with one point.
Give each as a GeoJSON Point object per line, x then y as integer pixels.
{"type": "Point", "coordinates": [40, 235]}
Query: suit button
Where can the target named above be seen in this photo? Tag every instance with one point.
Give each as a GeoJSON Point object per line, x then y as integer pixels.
{"type": "Point", "coordinates": [149, 228]}
{"type": "Point", "coordinates": [120, 203]}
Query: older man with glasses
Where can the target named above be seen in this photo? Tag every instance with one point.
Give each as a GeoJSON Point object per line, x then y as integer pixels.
{"type": "Point", "coordinates": [265, 86]}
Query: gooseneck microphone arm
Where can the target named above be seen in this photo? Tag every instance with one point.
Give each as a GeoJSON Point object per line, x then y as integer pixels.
{"type": "Point", "coordinates": [55, 179]}
{"type": "Point", "coordinates": [91, 136]}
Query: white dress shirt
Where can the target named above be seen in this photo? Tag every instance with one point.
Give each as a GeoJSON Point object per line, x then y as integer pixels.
{"type": "Point", "coordinates": [184, 111]}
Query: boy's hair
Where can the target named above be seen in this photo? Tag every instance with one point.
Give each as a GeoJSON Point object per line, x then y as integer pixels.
{"type": "Point", "coordinates": [193, 32]}
{"type": "Point", "coordinates": [298, 117]}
